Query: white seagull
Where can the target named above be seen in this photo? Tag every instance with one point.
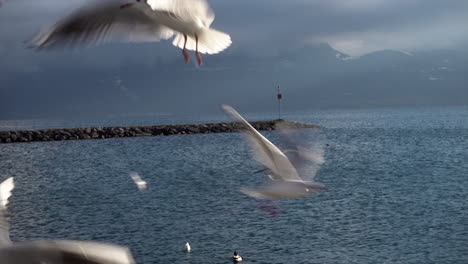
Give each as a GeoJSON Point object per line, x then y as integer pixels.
{"type": "Point", "coordinates": [140, 21]}
{"type": "Point", "coordinates": [54, 251]}
{"type": "Point", "coordinates": [141, 184]}
{"type": "Point", "coordinates": [187, 247]}
{"type": "Point", "coordinates": [286, 182]}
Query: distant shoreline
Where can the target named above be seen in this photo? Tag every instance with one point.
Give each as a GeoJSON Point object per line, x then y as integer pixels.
{"type": "Point", "coordinates": [56, 134]}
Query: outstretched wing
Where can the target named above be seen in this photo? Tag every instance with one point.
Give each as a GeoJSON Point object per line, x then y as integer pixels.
{"type": "Point", "coordinates": [197, 11]}
{"type": "Point", "coordinates": [95, 252]}
{"type": "Point", "coordinates": [198, 15]}
{"type": "Point", "coordinates": [65, 251]}
{"type": "Point", "coordinates": [140, 183]}
{"type": "Point", "coordinates": [304, 149]}
{"type": "Point", "coordinates": [5, 192]}
{"type": "Point", "coordinates": [266, 152]}
{"type": "Point", "coordinates": [103, 22]}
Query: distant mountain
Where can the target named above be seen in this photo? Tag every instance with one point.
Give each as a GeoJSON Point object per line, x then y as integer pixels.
{"type": "Point", "coordinates": [316, 76]}
{"type": "Point", "coordinates": [319, 76]}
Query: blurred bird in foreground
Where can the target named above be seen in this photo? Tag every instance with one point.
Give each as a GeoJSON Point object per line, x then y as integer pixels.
{"type": "Point", "coordinates": [138, 21]}
{"type": "Point", "coordinates": [53, 251]}
{"type": "Point", "coordinates": [141, 184]}
{"type": "Point", "coordinates": [283, 169]}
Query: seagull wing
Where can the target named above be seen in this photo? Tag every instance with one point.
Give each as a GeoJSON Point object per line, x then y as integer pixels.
{"type": "Point", "coordinates": [5, 192]}
{"type": "Point", "coordinates": [95, 252]}
{"type": "Point", "coordinates": [196, 17]}
{"type": "Point", "coordinates": [140, 183]}
{"type": "Point", "coordinates": [197, 11]}
{"type": "Point", "coordinates": [135, 177]}
{"type": "Point", "coordinates": [66, 251]}
{"type": "Point", "coordinates": [101, 23]}
{"type": "Point", "coordinates": [266, 152]}
{"type": "Point", "coordinates": [304, 149]}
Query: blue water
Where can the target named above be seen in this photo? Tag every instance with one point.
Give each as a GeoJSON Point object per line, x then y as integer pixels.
{"type": "Point", "coordinates": [397, 192]}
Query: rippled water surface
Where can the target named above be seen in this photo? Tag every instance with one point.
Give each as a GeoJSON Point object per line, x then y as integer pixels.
{"type": "Point", "coordinates": [397, 192]}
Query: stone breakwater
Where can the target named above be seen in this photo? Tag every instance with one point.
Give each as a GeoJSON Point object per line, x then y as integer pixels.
{"type": "Point", "coordinates": [138, 131]}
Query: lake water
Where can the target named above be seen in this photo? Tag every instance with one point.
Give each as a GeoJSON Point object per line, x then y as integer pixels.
{"type": "Point", "coordinates": [397, 191]}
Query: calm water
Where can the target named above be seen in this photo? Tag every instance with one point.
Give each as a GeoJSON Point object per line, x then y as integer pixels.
{"type": "Point", "coordinates": [397, 182]}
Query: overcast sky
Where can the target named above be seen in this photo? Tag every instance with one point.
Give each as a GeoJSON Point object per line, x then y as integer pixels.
{"type": "Point", "coordinates": [351, 26]}
{"type": "Point", "coordinates": [267, 27]}
{"type": "Point", "coordinates": [263, 28]}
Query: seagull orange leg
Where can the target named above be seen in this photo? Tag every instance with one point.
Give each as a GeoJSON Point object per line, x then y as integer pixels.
{"type": "Point", "coordinates": [184, 52]}
{"type": "Point", "coordinates": [199, 59]}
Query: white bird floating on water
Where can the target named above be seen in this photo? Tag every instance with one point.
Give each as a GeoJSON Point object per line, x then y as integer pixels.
{"type": "Point", "coordinates": [286, 182]}
{"type": "Point", "coordinates": [187, 247]}
{"type": "Point", "coordinates": [54, 251]}
{"type": "Point", "coordinates": [140, 21]}
{"type": "Point", "coordinates": [141, 184]}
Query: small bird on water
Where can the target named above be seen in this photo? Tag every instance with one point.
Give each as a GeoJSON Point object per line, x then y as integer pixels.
{"type": "Point", "coordinates": [236, 257]}
{"type": "Point", "coordinates": [187, 247]}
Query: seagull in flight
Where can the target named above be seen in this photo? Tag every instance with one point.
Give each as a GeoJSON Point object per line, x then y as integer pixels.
{"type": "Point", "coordinates": [141, 184]}
{"type": "Point", "coordinates": [285, 180]}
{"type": "Point", "coordinates": [53, 251]}
{"type": "Point", "coordinates": [104, 21]}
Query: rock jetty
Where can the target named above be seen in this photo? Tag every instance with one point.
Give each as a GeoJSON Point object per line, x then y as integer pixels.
{"type": "Point", "coordinates": [138, 131]}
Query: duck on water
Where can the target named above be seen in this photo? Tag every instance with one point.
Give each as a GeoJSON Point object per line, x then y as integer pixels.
{"type": "Point", "coordinates": [236, 257]}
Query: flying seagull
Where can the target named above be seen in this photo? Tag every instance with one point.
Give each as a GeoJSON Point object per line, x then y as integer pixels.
{"type": "Point", "coordinates": [285, 180]}
{"type": "Point", "coordinates": [138, 21]}
{"type": "Point", "coordinates": [54, 251]}
{"type": "Point", "coordinates": [141, 184]}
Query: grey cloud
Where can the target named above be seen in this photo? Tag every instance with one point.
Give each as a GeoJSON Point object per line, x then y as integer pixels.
{"type": "Point", "coordinates": [279, 24]}
{"type": "Point", "coordinates": [266, 27]}
{"type": "Point", "coordinates": [272, 39]}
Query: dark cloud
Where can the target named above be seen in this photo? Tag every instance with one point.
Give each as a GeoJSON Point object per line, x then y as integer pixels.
{"type": "Point", "coordinates": [274, 24]}
{"type": "Point", "coordinates": [272, 42]}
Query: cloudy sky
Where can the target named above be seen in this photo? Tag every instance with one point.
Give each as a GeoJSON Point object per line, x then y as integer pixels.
{"type": "Point", "coordinates": [355, 27]}
{"type": "Point", "coordinates": [259, 28]}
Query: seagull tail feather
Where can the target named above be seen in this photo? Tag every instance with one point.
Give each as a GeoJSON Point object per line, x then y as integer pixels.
{"type": "Point", "coordinates": [210, 41]}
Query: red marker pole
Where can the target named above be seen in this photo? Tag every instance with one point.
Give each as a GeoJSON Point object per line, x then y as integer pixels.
{"type": "Point", "coordinates": [279, 96]}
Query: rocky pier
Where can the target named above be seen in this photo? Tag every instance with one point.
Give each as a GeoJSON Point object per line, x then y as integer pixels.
{"type": "Point", "coordinates": [138, 131]}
